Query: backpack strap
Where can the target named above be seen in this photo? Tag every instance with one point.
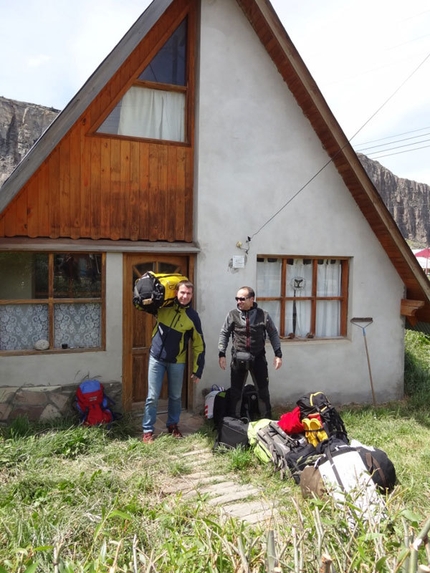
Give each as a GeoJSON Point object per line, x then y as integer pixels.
{"type": "Point", "coordinates": [373, 463]}
{"type": "Point", "coordinates": [334, 468]}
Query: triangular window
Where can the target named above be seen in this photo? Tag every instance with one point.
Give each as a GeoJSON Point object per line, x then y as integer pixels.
{"type": "Point", "coordinates": [168, 66]}
{"type": "Point", "coordinates": [155, 106]}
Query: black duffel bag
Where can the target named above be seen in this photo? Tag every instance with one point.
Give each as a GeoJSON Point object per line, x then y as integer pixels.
{"type": "Point", "coordinates": [232, 433]}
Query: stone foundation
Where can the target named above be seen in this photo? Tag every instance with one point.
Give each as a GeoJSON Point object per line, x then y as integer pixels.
{"type": "Point", "coordinates": [43, 403]}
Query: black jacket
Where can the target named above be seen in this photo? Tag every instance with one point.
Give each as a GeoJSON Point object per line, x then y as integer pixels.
{"type": "Point", "coordinates": [249, 331]}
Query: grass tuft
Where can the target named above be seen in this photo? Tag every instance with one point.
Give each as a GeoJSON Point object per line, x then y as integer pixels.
{"type": "Point", "coordinates": [75, 499]}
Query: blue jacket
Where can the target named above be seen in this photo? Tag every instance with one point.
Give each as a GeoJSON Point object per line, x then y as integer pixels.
{"type": "Point", "coordinates": [176, 326]}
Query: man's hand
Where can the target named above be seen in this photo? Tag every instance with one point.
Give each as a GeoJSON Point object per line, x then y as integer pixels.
{"type": "Point", "coordinates": [277, 362]}
{"type": "Point", "coordinates": [222, 362]}
{"type": "Point", "coordinates": [195, 379]}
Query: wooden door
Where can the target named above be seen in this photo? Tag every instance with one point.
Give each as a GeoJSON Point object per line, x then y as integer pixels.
{"type": "Point", "coordinates": [138, 327]}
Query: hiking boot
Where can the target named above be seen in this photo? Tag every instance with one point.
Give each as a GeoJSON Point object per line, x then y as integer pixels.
{"type": "Point", "coordinates": [148, 437]}
{"type": "Point", "coordinates": [174, 431]}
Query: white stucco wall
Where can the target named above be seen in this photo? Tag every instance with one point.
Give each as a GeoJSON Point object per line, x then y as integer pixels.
{"type": "Point", "coordinates": [66, 367]}
{"type": "Point", "coordinates": [256, 150]}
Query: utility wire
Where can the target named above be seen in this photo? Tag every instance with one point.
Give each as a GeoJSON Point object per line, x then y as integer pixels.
{"type": "Point", "coordinates": [365, 149]}
{"type": "Point", "coordinates": [400, 152]}
{"type": "Point", "coordinates": [338, 152]}
{"type": "Point", "coordinates": [395, 135]}
{"type": "Point", "coordinates": [398, 146]}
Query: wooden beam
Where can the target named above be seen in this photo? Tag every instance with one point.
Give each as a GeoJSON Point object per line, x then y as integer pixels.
{"type": "Point", "coordinates": [409, 307]}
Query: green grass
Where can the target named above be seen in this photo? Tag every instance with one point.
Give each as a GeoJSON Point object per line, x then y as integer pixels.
{"type": "Point", "coordinates": [75, 499]}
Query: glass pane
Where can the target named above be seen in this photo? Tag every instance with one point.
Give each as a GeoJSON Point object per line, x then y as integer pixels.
{"type": "Point", "coordinates": [329, 278]}
{"type": "Point", "coordinates": [77, 325]}
{"type": "Point", "coordinates": [22, 325]}
{"type": "Point", "coordinates": [169, 65]}
{"type": "Point", "coordinates": [299, 277]}
{"type": "Point", "coordinates": [168, 268]}
{"type": "Point", "coordinates": [274, 309]}
{"type": "Point", "coordinates": [77, 276]}
{"type": "Point", "coordinates": [111, 123]}
{"type": "Point", "coordinates": [23, 276]}
{"type": "Point", "coordinates": [298, 318]}
{"type": "Point", "coordinates": [268, 277]}
{"type": "Point", "coordinates": [328, 318]}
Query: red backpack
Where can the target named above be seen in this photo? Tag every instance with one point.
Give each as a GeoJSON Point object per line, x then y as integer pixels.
{"type": "Point", "coordinates": [92, 403]}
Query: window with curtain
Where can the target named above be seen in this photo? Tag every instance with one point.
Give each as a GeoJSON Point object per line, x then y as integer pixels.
{"type": "Point", "coordinates": [306, 297]}
{"type": "Point", "coordinates": [52, 297]}
{"type": "Point", "coordinates": [155, 106]}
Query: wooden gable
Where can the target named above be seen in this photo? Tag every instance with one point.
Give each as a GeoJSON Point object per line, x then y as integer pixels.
{"type": "Point", "coordinates": [114, 187]}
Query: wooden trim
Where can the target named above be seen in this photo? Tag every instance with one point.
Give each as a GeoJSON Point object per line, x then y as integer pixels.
{"type": "Point", "coordinates": [127, 332]}
{"type": "Point", "coordinates": [127, 325]}
{"type": "Point", "coordinates": [274, 38]}
{"type": "Point", "coordinates": [64, 122]}
{"type": "Point", "coordinates": [313, 298]}
{"type": "Point", "coordinates": [31, 352]}
{"type": "Point", "coordinates": [408, 308]}
{"type": "Point", "coordinates": [51, 301]}
{"type": "Point", "coordinates": [191, 73]}
{"type": "Point", "coordinates": [149, 55]}
{"type": "Point", "coordinates": [344, 302]}
{"type": "Point", "coordinates": [160, 86]}
{"type": "Point", "coordinates": [96, 246]}
{"type": "Point", "coordinates": [103, 316]}
{"type": "Point", "coordinates": [191, 386]}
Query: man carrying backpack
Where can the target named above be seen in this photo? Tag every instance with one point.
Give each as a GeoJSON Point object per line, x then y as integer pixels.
{"type": "Point", "coordinates": [176, 326]}
{"type": "Point", "coordinates": [249, 326]}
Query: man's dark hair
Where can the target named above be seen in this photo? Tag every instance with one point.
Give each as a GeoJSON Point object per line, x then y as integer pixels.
{"type": "Point", "coordinates": [251, 292]}
{"type": "Point", "coordinates": [186, 283]}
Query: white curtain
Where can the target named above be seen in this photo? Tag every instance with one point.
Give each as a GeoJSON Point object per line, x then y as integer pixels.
{"type": "Point", "coordinates": [154, 114]}
{"type": "Point", "coordinates": [269, 277]}
{"type": "Point", "coordinates": [269, 284]}
{"type": "Point", "coordinates": [328, 311]}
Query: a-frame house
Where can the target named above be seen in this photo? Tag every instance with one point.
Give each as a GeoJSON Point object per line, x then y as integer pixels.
{"type": "Point", "coordinates": [201, 144]}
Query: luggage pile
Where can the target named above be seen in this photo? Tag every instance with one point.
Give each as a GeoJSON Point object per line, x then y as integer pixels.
{"type": "Point", "coordinates": [310, 444]}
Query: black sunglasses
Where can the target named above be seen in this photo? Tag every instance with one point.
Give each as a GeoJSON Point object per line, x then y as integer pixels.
{"type": "Point", "coordinates": [241, 298]}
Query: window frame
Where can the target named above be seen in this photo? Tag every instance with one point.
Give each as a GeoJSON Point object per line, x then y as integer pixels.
{"type": "Point", "coordinates": [283, 299]}
{"type": "Point", "coordinates": [50, 301]}
{"type": "Point", "coordinates": [153, 85]}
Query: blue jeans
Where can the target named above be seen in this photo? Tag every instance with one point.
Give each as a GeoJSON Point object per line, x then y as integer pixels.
{"type": "Point", "coordinates": [175, 377]}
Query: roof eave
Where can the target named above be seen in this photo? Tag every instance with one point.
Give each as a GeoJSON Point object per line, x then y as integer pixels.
{"type": "Point", "coordinates": [274, 37]}
{"type": "Point", "coordinates": [77, 106]}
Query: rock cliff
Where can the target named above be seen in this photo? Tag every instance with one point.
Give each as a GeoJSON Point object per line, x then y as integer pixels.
{"type": "Point", "coordinates": [21, 124]}
{"type": "Point", "coordinates": [407, 201]}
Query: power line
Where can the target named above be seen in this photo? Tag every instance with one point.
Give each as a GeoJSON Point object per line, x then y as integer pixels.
{"type": "Point", "coordinates": [400, 152]}
{"type": "Point", "coordinates": [395, 135]}
{"type": "Point", "coordinates": [337, 153]}
{"type": "Point", "coordinates": [364, 149]}
{"type": "Point", "coordinates": [397, 147]}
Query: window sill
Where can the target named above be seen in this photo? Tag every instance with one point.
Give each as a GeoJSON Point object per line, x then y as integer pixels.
{"type": "Point", "coordinates": [50, 351]}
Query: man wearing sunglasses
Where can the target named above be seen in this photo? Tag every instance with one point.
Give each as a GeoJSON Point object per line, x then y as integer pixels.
{"type": "Point", "coordinates": [249, 326]}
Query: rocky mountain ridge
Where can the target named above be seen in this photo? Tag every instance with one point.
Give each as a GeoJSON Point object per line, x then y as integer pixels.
{"type": "Point", "coordinates": [407, 201]}
{"type": "Point", "coordinates": [22, 123]}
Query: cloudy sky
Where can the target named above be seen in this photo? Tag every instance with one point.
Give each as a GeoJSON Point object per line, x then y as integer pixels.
{"type": "Point", "coordinates": [371, 60]}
